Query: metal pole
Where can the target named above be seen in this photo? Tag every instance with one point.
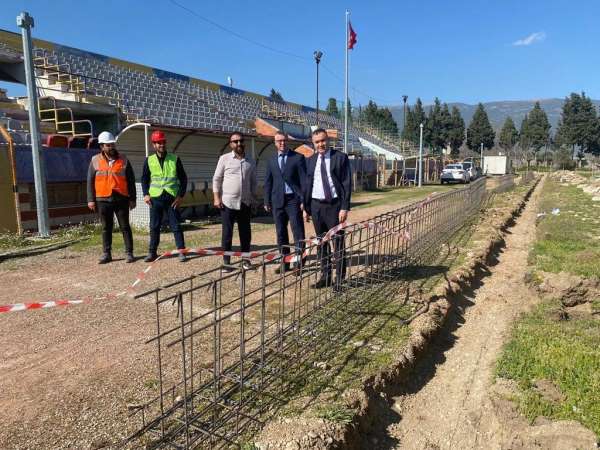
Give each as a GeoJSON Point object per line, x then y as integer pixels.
{"type": "Point", "coordinates": [421, 156]}
{"type": "Point", "coordinates": [25, 22]}
{"type": "Point", "coordinates": [404, 98]}
{"type": "Point", "coordinates": [482, 157]}
{"type": "Point", "coordinates": [317, 93]}
{"type": "Point", "coordinates": [346, 85]}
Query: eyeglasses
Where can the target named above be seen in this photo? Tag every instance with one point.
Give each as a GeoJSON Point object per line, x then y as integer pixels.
{"type": "Point", "coordinates": [237, 141]}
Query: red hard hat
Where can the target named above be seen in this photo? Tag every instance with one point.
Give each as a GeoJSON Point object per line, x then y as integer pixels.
{"type": "Point", "coordinates": [158, 136]}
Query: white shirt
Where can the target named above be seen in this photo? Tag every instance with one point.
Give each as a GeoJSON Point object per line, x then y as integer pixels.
{"type": "Point", "coordinates": [235, 180]}
{"type": "Point", "coordinates": [317, 187]}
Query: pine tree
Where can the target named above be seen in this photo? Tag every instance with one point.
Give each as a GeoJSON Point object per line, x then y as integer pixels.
{"type": "Point", "coordinates": [480, 130]}
{"type": "Point", "coordinates": [579, 125]}
{"type": "Point", "coordinates": [409, 127]}
{"type": "Point", "coordinates": [538, 128]}
{"type": "Point", "coordinates": [414, 117]}
{"type": "Point", "coordinates": [456, 133]}
{"type": "Point", "coordinates": [332, 107]}
{"type": "Point", "coordinates": [509, 136]}
{"type": "Point", "coordinates": [434, 132]}
{"type": "Point", "coordinates": [276, 96]}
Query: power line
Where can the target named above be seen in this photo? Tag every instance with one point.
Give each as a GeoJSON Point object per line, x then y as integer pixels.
{"type": "Point", "coordinates": [239, 36]}
{"type": "Point", "coordinates": [271, 49]}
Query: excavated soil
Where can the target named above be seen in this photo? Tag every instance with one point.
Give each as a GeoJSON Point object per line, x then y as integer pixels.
{"type": "Point", "coordinates": [452, 401]}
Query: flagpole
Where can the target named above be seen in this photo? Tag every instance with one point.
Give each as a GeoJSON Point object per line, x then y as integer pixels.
{"type": "Point", "coordinates": [346, 87]}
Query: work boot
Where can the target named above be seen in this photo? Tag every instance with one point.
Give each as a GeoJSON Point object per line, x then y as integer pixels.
{"type": "Point", "coordinates": [129, 257]}
{"type": "Point", "coordinates": [106, 258]}
{"type": "Point", "coordinates": [151, 257]}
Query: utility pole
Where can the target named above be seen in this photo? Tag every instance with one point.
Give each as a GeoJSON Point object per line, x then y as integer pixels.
{"type": "Point", "coordinates": [482, 157]}
{"type": "Point", "coordinates": [25, 22]}
{"type": "Point", "coordinates": [404, 99]}
{"type": "Point", "coordinates": [421, 156]}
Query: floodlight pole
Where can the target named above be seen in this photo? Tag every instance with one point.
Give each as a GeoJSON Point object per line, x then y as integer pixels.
{"type": "Point", "coordinates": [318, 55]}
{"type": "Point", "coordinates": [26, 23]}
{"type": "Point", "coordinates": [421, 156]}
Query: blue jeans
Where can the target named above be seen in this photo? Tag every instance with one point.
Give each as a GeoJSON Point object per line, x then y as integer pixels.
{"type": "Point", "coordinates": [160, 206]}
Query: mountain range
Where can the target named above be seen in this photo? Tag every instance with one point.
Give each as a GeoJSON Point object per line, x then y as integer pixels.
{"type": "Point", "coordinates": [500, 110]}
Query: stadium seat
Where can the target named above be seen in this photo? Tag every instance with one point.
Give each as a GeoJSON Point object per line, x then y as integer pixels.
{"type": "Point", "coordinates": [57, 140]}
{"type": "Point", "coordinates": [78, 142]}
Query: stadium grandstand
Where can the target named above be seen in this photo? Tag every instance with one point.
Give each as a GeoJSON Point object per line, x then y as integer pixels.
{"type": "Point", "coordinates": [82, 93]}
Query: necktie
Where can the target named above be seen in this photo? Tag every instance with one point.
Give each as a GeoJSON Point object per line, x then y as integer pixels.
{"type": "Point", "coordinates": [325, 180]}
{"type": "Point", "coordinates": [282, 162]}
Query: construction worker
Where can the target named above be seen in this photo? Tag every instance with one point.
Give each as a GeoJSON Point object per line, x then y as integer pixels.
{"type": "Point", "coordinates": [163, 184]}
{"type": "Point", "coordinates": [111, 191]}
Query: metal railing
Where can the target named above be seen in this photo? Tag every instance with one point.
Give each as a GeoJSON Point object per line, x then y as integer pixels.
{"type": "Point", "coordinates": [231, 348]}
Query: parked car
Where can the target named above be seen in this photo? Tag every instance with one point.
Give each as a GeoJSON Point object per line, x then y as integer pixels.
{"type": "Point", "coordinates": [471, 169]}
{"type": "Point", "coordinates": [454, 172]}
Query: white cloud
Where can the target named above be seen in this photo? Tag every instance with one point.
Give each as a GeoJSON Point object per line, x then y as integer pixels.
{"type": "Point", "coordinates": [531, 39]}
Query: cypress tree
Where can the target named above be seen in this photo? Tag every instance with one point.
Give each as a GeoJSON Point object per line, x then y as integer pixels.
{"type": "Point", "coordinates": [480, 130]}
{"type": "Point", "coordinates": [456, 132]}
{"type": "Point", "coordinates": [509, 136]}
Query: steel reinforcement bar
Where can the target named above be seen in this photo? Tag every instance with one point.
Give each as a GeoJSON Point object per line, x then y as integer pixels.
{"type": "Point", "coordinates": [231, 346]}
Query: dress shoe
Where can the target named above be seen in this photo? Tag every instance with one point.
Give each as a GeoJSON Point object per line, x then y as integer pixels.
{"type": "Point", "coordinates": [129, 258]}
{"type": "Point", "coordinates": [151, 257]}
{"type": "Point", "coordinates": [106, 258]}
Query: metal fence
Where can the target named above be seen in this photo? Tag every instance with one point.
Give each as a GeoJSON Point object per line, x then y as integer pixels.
{"type": "Point", "coordinates": [230, 346]}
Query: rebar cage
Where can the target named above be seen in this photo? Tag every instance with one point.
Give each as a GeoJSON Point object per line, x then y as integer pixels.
{"type": "Point", "coordinates": [231, 346]}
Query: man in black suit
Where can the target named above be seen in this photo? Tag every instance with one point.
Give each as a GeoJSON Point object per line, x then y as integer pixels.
{"type": "Point", "coordinates": [327, 201]}
{"type": "Point", "coordinates": [284, 196]}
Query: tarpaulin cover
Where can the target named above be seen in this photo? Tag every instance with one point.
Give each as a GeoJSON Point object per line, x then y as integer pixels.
{"type": "Point", "coordinates": [62, 165]}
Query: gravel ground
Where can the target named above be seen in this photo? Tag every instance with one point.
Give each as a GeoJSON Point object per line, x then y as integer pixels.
{"type": "Point", "coordinates": [68, 373]}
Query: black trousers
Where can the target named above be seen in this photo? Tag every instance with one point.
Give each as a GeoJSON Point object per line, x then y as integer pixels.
{"type": "Point", "coordinates": [292, 214]}
{"type": "Point", "coordinates": [228, 218]}
{"type": "Point", "coordinates": [325, 216]}
{"type": "Point", "coordinates": [107, 211]}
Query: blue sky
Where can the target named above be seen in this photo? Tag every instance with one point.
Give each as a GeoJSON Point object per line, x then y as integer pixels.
{"type": "Point", "coordinates": [460, 50]}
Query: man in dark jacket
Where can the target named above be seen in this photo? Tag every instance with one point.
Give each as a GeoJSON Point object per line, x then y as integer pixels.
{"type": "Point", "coordinates": [111, 191]}
{"type": "Point", "coordinates": [284, 195]}
{"type": "Point", "coordinates": [327, 201]}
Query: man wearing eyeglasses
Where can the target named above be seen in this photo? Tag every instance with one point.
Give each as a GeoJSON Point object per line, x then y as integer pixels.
{"type": "Point", "coordinates": [327, 201]}
{"type": "Point", "coordinates": [286, 172]}
{"type": "Point", "coordinates": [234, 192]}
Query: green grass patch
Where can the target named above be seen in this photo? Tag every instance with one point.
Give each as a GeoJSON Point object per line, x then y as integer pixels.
{"type": "Point", "coordinates": [568, 241]}
{"type": "Point", "coordinates": [14, 242]}
{"type": "Point", "coordinates": [567, 353]}
{"type": "Point", "coordinates": [390, 196]}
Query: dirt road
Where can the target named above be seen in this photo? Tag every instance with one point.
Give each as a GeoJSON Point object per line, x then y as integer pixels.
{"type": "Point", "coordinates": [452, 401]}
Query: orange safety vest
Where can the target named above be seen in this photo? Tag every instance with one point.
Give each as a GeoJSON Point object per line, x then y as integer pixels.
{"type": "Point", "coordinates": [110, 178]}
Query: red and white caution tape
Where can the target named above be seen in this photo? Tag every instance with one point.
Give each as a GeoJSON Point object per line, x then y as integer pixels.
{"type": "Point", "coordinates": [266, 255]}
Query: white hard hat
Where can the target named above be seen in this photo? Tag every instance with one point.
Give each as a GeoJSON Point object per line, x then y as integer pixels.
{"type": "Point", "coordinates": [106, 137]}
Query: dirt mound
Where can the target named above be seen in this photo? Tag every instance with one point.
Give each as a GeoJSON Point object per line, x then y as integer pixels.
{"type": "Point", "coordinates": [571, 290]}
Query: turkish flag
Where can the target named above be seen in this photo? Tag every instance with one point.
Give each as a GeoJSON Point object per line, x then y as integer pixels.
{"type": "Point", "coordinates": [352, 37]}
